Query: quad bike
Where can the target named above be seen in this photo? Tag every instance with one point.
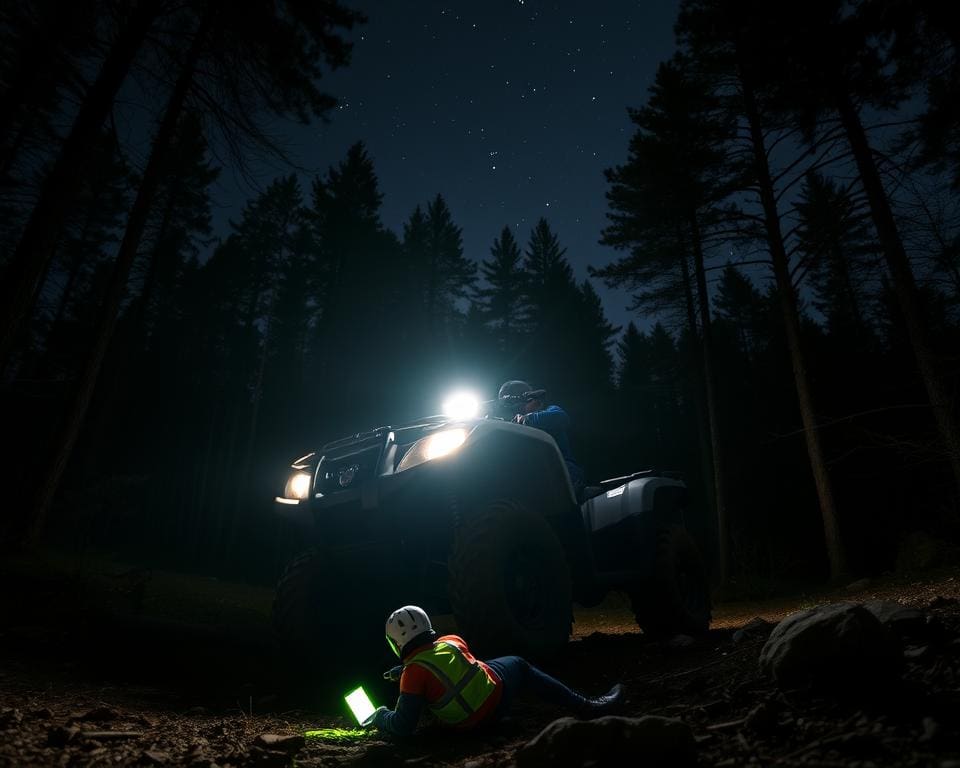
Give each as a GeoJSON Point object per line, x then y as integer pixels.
{"type": "Point", "coordinates": [477, 517]}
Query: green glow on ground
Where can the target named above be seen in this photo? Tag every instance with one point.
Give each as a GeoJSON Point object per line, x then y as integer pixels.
{"type": "Point", "coordinates": [338, 734]}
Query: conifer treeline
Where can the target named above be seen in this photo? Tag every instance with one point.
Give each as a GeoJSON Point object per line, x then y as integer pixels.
{"type": "Point", "coordinates": [756, 140]}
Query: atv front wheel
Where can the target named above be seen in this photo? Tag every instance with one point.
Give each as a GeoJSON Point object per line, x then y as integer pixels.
{"type": "Point", "coordinates": [677, 598]}
{"type": "Point", "coordinates": [509, 582]}
{"type": "Point", "coordinates": [321, 610]}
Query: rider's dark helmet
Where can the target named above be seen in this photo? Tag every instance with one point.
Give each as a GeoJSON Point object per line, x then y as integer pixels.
{"type": "Point", "coordinates": [514, 394]}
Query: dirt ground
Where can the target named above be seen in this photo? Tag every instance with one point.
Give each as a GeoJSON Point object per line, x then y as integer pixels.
{"type": "Point", "coordinates": [189, 695]}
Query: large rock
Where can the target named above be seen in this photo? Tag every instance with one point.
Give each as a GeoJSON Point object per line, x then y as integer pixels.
{"type": "Point", "coordinates": [904, 622]}
{"type": "Point", "coordinates": [610, 741]}
{"type": "Point", "coordinates": [833, 646]}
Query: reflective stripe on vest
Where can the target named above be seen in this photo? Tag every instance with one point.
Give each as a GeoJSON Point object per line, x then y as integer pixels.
{"type": "Point", "coordinates": [466, 685]}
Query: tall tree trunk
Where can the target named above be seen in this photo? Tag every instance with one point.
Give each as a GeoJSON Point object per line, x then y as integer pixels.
{"type": "Point", "coordinates": [788, 305]}
{"type": "Point", "coordinates": [22, 277]}
{"type": "Point", "coordinates": [118, 283]}
{"type": "Point", "coordinates": [710, 386]}
{"type": "Point", "coordinates": [696, 364]}
{"type": "Point", "coordinates": [904, 284]}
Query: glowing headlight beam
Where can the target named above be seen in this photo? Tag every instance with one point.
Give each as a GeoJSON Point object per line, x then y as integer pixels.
{"type": "Point", "coordinates": [298, 486]}
{"type": "Point", "coordinates": [443, 443]}
{"type": "Point", "coordinates": [461, 405]}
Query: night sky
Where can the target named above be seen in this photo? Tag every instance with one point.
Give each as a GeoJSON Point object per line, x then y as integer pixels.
{"type": "Point", "coordinates": [511, 109]}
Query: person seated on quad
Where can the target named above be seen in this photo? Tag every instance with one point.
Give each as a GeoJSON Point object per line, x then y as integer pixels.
{"type": "Point", "coordinates": [440, 675]}
{"type": "Point", "coordinates": [528, 406]}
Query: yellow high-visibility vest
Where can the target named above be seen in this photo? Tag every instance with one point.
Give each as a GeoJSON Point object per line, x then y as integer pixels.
{"type": "Point", "coordinates": [467, 685]}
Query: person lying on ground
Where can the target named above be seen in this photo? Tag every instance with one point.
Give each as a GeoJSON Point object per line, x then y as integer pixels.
{"type": "Point", "coordinates": [439, 675]}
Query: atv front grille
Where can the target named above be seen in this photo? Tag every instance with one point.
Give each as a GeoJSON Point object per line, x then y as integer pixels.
{"type": "Point", "coordinates": [348, 468]}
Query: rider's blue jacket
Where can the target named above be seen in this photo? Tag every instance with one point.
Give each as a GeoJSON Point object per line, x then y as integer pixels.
{"type": "Point", "coordinates": [554, 421]}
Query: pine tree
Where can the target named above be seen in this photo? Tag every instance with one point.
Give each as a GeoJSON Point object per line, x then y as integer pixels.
{"type": "Point", "coordinates": [58, 193]}
{"type": "Point", "coordinates": [596, 336]}
{"type": "Point", "coordinates": [551, 302]}
{"type": "Point", "coordinates": [725, 38]}
{"type": "Point", "coordinates": [364, 271]}
{"type": "Point", "coordinates": [842, 79]}
{"type": "Point", "coordinates": [834, 240]}
{"type": "Point", "coordinates": [664, 202]}
{"type": "Point", "coordinates": [741, 307]}
{"type": "Point", "coordinates": [270, 58]}
{"type": "Point", "coordinates": [46, 46]}
{"type": "Point", "coordinates": [450, 275]}
{"type": "Point", "coordinates": [500, 298]}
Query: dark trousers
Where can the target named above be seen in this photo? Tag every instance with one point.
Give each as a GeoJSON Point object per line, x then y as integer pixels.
{"type": "Point", "coordinates": [518, 674]}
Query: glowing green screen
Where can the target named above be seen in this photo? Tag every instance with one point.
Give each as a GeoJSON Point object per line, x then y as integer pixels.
{"type": "Point", "coordinates": [360, 704]}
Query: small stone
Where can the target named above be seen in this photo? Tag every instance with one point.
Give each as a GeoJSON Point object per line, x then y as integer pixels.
{"type": "Point", "coordinates": [100, 715]}
{"type": "Point", "coordinates": [196, 712]}
{"type": "Point", "coordinates": [197, 747]}
{"type": "Point", "coordinates": [931, 730]}
{"type": "Point", "coordinates": [154, 757]}
{"type": "Point", "coordinates": [62, 735]}
{"type": "Point", "coordinates": [44, 713]}
{"type": "Point", "coordinates": [286, 743]}
{"type": "Point", "coordinates": [10, 718]}
{"type": "Point", "coordinates": [857, 586]}
{"type": "Point", "coordinates": [756, 627]}
{"type": "Point", "coordinates": [679, 642]}
{"type": "Point", "coordinates": [472, 764]}
{"type": "Point", "coordinates": [915, 652]}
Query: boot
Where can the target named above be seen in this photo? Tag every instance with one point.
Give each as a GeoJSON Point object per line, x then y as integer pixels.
{"type": "Point", "coordinates": [599, 706]}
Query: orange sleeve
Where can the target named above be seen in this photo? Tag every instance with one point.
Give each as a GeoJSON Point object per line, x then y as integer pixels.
{"type": "Point", "coordinates": [414, 679]}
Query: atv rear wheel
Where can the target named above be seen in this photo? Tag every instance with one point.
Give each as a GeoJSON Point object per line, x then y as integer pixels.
{"type": "Point", "coordinates": [509, 582]}
{"type": "Point", "coordinates": [677, 598]}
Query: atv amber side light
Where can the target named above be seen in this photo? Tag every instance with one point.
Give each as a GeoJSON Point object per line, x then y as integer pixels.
{"type": "Point", "coordinates": [298, 486]}
{"type": "Point", "coordinates": [433, 447]}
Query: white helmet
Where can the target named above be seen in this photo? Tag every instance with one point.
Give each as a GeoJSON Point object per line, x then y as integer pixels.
{"type": "Point", "coordinates": [406, 624]}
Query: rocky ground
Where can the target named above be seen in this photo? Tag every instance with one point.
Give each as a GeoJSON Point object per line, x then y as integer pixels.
{"type": "Point", "coordinates": [873, 685]}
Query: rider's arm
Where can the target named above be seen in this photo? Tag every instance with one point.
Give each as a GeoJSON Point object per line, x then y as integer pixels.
{"type": "Point", "coordinates": [552, 418]}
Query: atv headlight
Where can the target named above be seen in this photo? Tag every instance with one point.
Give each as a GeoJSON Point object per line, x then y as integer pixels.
{"type": "Point", "coordinates": [298, 486]}
{"type": "Point", "coordinates": [435, 446]}
{"type": "Point", "coordinates": [461, 405]}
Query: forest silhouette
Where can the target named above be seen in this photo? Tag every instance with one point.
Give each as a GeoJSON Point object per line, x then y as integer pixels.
{"type": "Point", "coordinates": [786, 217]}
